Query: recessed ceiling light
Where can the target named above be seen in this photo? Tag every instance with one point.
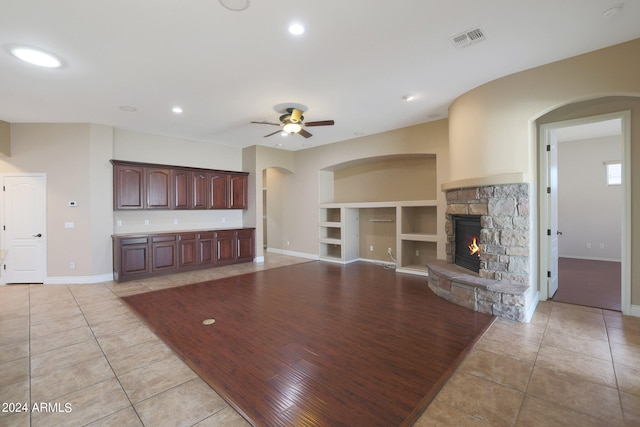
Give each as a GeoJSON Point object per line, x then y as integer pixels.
{"type": "Point", "coordinates": [128, 108]}
{"type": "Point", "coordinates": [177, 109]}
{"type": "Point", "coordinates": [235, 5]}
{"type": "Point", "coordinates": [36, 57]}
{"type": "Point", "coordinates": [410, 97]}
{"type": "Point", "coordinates": [296, 29]}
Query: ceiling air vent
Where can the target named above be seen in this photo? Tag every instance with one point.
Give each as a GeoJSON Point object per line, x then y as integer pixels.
{"type": "Point", "coordinates": [468, 37]}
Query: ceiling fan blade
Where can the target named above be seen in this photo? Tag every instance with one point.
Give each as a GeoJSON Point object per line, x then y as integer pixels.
{"type": "Point", "coordinates": [272, 133]}
{"type": "Point", "coordinates": [320, 123]}
{"type": "Point", "coordinates": [266, 123]}
{"type": "Point", "coordinates": [304, 133]}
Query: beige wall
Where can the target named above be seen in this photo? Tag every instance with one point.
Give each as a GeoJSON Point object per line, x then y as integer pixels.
{"type": "Point", "coordinates": [5, 138]}
{"type": "Point", "coordinates": [492, 127]}
{"type": "Point", "coordinates": [383, 179]}
{"type": "Point", "coordinates": [75, 159]}
{"type": "Point", "coordinates": [256, 160]}
{"type": "Point", "coordinates": [301, 190]}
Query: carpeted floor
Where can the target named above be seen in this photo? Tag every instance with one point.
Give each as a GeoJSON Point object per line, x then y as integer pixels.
{"type": "Point", "coordinates": [589, 283]}
{"type": "Point", "coordinates": [317, 343]}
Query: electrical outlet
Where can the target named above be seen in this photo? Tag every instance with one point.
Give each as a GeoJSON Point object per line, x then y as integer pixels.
{"type": "Point", "coordinates": [601, 245]}
{"type": "Point", "coordinates": [389, 251]}
{"type": "Point", "coordinates": [72, 264]}
{"type": "Point", "coordinates": [175, 220]}
{"type": "Point", "coordinates": [146, 222]}
{"type": "Point", "coordinates": [417, 252]}
{"type": "Point", "coordinates": [588, 245]}
{"type": "Point", "coordinates": [119, 223]}
{"type": "Point", "coordinates": [371, 248]}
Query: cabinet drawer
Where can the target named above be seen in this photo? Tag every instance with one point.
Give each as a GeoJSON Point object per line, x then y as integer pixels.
{"type": "Point", "coordinates": [134, 241]}
{"type": "Point", "coordinates": [188, 236]}
{"type": "Point", "coordinates": [205, 236]}
{"type": "Point", "coordinates": [167, 238]}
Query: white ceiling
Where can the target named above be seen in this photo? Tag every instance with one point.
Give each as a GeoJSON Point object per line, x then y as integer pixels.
{"type": "Point", "coordinates": [354, 63]}
{"type": "Point", "coordinates": [597, 129]}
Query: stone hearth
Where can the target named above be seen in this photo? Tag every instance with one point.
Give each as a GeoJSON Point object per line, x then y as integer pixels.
{"type": "Point", "coordinates": [502, 286]}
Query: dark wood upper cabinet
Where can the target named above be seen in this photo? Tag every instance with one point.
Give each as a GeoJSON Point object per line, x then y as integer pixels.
{"type": "Point", "coordinates": [199, 187]}
{"type": "Point", "coordinates": [129, 187]}
{"type": "Point", "coordinates": [148, 186]}
{"type": "Point", "coordinates": [218, 190]}
{"type": "Point", "coordinates": [182, 183]}
{"type": "Point", "coordinates": [238, 191]}
{"type": "Point", "coordinates": [159, 188]}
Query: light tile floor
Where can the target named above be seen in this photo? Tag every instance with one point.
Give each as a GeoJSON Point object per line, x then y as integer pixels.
{"type": "Point", "coordinates": [75, 355]}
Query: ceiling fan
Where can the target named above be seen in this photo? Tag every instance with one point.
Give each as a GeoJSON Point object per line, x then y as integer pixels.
{"type": "Point", "coordinates": [292, 121]}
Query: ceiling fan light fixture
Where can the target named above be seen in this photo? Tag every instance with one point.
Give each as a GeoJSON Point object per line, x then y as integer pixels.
{"type": "Point", "coordinates": [296, 116]}
{"type": "Point", "coordinates": [292, 128]}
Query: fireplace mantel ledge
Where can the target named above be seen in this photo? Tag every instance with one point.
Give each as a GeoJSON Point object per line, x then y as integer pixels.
{"type": "Point", "coordinates": [504, 179]}
{"type": "Point", "coordinates": [458, 274]}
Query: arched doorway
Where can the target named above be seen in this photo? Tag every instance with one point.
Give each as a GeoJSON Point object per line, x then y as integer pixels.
{"type": "Point", "coordinates": [550, 235]}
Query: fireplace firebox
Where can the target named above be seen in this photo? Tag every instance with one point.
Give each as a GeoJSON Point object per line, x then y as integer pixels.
{"type": "Point", "coordinates": [467, 241]}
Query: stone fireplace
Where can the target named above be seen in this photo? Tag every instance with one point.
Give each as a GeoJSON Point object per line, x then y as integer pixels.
{"type": "Point", "coordinates": [500, 286]}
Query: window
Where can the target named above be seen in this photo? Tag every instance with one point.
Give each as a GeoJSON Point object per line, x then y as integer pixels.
{"type": "Point", "coordinates": [614, 173]}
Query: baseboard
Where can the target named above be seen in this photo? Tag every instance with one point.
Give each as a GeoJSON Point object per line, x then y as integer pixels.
{"type": "Point", "coordinates": [591, 258]}
{"type": "Point", "coordinates": [79, 280]}
{"type": "Point", "coordinates": [377, 261]}
{"type": "Point", "coordinates": [532, 308]}
{"type": "Point", "coordinates": [634, 310]}
{"type": "Point", "coordinates": [293, 253]}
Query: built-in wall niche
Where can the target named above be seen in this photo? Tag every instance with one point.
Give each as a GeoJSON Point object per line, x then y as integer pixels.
{"type": "Point", "coordinates": [388, 178]}
{"type": "Point", "coordinates": [416, 254]}
{"type": "Point", "coordinates": [378, 234]}
{"type": "Point", "coordinates": [419, 220]}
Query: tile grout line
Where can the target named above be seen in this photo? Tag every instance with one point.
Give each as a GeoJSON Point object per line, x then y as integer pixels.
{"type": "Point", "coordinates": [106, 359]}
{"type": "Point", "coordinates": [533, 366]}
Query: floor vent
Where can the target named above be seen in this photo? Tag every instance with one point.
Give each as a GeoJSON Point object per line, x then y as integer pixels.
{"type": "Point", "coordinates": [468, 37]}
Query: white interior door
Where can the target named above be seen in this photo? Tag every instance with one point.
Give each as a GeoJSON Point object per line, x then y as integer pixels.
{"type": "Point", "coordinates": [24, 238]}
{"type": "Point", "coordinates": [552, 205]}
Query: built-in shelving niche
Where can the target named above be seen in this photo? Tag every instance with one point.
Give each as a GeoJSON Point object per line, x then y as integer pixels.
{"type": "Point", "coordinates": [362, 219]}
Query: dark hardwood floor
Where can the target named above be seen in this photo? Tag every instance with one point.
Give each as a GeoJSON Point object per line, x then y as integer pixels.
{"type": "Point", "coordinates": [317, 344]}
{"type": "Point", "coordinates": [590, 283]}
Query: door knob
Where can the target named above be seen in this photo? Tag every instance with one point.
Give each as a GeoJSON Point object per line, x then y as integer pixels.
{"type": "Point", "coordinates": [37, 235]}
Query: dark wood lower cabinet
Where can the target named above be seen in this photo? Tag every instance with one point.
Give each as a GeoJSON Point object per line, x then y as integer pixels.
{"type": "Point", "coordinates": [140, 256]}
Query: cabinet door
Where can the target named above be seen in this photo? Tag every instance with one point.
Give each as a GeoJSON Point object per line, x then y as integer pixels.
{"type": "Point", "coordinates": [199, 187]}
{"type": "Point", "coordinates": [218, 191]}
{"type": "Point", "coordinates": [206, 249]}
{"type": "Point", "coordinates": [134, 256]}
{"type": "Point", "coordinates": [188, 245]}
{"type": "Point", "coordinates": [225, 246]}
{"type": "Point", "coordinates": [129, 188]}
{"type": "Point", "coordinates": [182, 189]}
{"type": "Point", "coordinates": [164, 253]}
{"type": "Point", "coordinates": [238, 185]}
{"type": "Point", "coordinates": [244, 244]}
{"type": "Point", "coordinates": [158, 183]}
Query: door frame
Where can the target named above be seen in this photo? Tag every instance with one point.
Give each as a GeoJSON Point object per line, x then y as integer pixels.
{"type": "Point", "coordinates": [545, 136]}
{"type": "Point", "coordinates": [3, 240]}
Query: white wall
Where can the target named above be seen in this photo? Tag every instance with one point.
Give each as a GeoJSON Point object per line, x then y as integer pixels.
{"type": "Point", "coordinates": [589, 210]}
